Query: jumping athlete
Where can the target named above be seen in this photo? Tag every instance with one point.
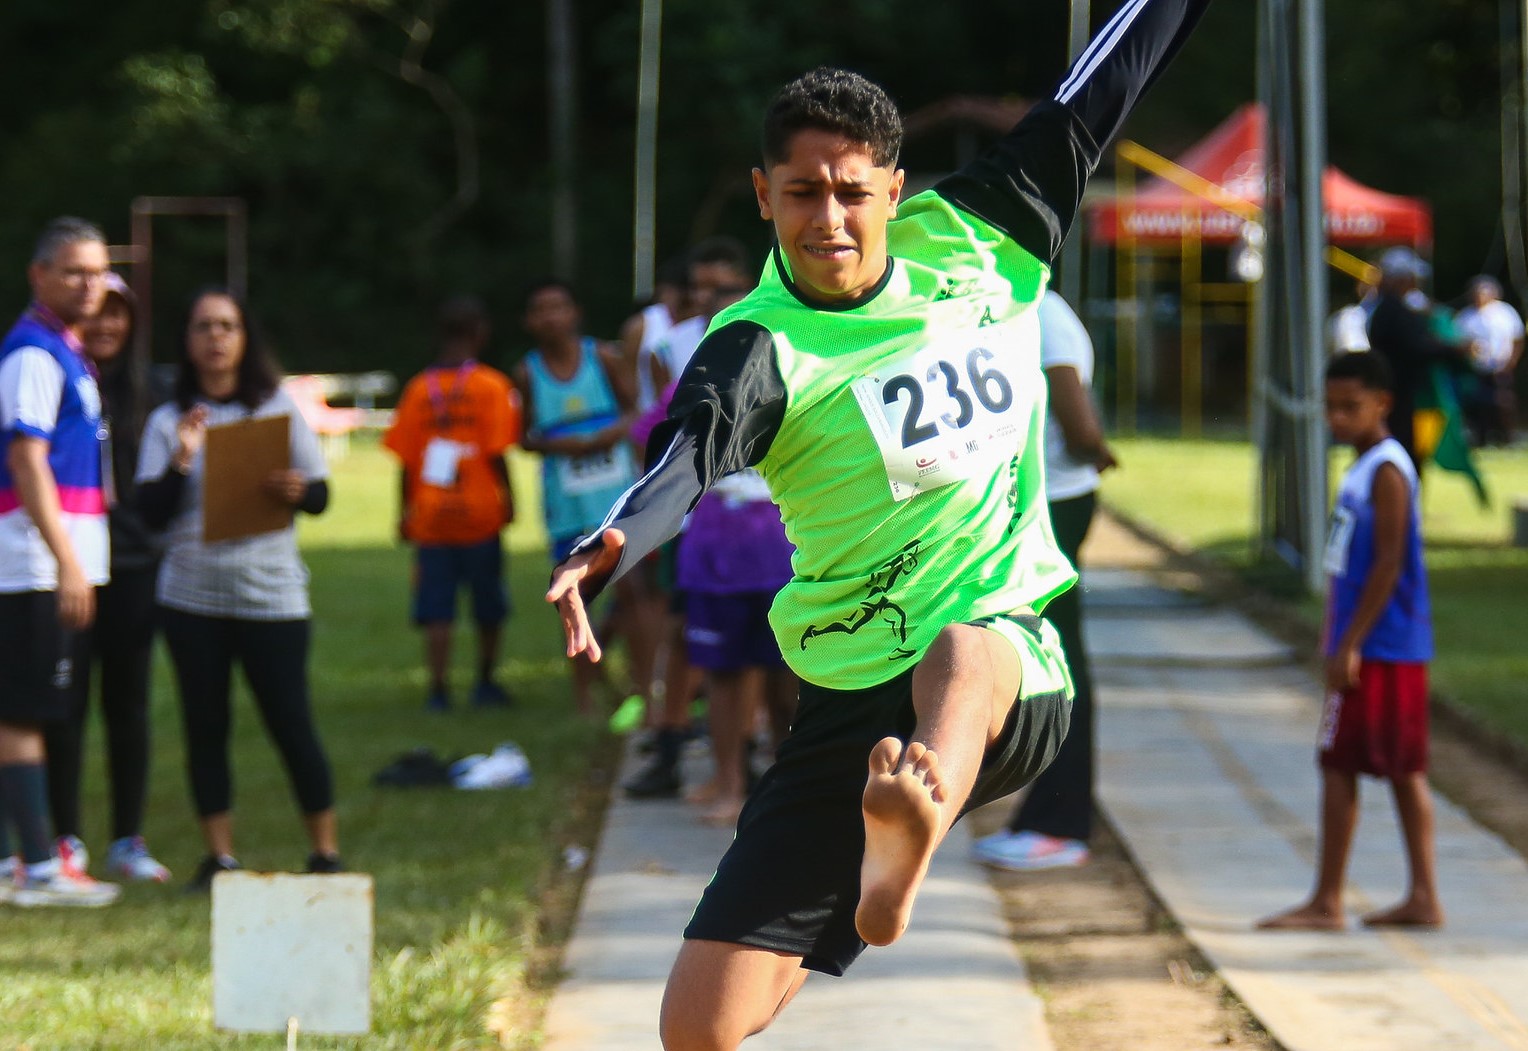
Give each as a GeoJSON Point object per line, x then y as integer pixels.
{"type": "Point", "coordinates": [884, 378]}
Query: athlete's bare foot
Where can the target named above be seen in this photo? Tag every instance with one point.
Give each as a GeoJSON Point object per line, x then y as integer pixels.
{"type": "Point", "coordinates": [724, 813]}
{"type": "Point", "coordinates": [1308, 917]}
{"type": "Point", "coordinates": [902, 811]}
{"type": "Point", "coordinates": [703, 794]}
{"type": "Point", "coordinates": [1413, 912]}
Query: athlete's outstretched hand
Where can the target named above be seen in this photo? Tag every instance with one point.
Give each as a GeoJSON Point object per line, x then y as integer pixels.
{"type": "Point", "coordinates": [593, 565]}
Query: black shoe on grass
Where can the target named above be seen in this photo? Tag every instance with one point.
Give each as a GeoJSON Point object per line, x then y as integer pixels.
{"type": "Point", "coordinates": [489, 694]}
{"type": "Point", "coordinates": [324, 864]}
{"type": "Point", "coordinates": [657, 780]}
{"type": "Point", "coordinates": [211, 865]}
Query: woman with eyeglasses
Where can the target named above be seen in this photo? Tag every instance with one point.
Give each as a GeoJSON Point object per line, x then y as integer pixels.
{"type": "Point", "coordinates": [237, 601]}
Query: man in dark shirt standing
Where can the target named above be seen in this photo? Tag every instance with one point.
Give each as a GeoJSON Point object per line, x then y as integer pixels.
{"type": "Point", "coordinates": [1400, 329]}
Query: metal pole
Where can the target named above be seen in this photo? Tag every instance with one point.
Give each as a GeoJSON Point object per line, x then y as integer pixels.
{"type": "Point", "coordinates": [1071, 252]}
{"type": "Point", "coordinates": [645, 209]}
{"type": "Point", "coordinates": [1127, 306]}
{"type": "Point", "coordinates": [561, 113]}
{"type": "Point", "coordinates": [1261, 349]}
{"type": "Point", "coordinates": [1191, 342]}
{"type": "Point", "coordinates": [1518, 266]}
{"type": "Point", "coordinates": [142, 282]}
{"type": "Point", "coordinates": [1081, 28]}
{"type": "Point", "coordinates": [1313, 233]}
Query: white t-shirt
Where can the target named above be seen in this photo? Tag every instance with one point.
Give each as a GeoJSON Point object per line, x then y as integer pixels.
{"type": "Point", "coordinates": [1494, 327]}
{"type": "Point", "coordinates": [1064, 342]}
{"type": "Point", "coordinates": [657, 323]}
{"type": "Point", "coordinates": [31, 386]}
{"type": "Point", "coordinates": [679, 347]}
{"type": "Point", "coordinates": [259, 577]}
{"type": "Point", "coordinates": [1347, 330]}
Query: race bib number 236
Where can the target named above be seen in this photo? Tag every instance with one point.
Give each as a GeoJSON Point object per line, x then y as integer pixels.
{"type": "Point", "coordinates": [943, 414]}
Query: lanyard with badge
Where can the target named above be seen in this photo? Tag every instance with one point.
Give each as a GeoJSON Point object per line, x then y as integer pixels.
{"type": "Point", "coordinates": [443, 456]}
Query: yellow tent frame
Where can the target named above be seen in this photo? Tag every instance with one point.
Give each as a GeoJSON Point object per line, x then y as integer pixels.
{"type": "Point", "coordinates": [1196, 292]}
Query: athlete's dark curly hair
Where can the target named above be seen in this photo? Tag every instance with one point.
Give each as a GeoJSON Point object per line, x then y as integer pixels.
{"type": "Point", "coordinates": [834, 100]}
{"type": "Point", "coordinates": [1370, 369]}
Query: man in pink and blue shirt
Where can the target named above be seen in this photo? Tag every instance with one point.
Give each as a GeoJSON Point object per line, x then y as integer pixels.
{"type": "Point", "coordinates": [53, 546]}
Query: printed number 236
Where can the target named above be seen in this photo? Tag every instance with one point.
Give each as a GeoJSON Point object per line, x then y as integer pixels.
{"type": "Point", "coordinates": [989, 385]}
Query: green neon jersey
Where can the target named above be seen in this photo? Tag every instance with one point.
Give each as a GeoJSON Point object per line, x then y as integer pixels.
{"type": "Point", "coordinates": [908, 466]}
{"type": "Point", "coordinates": [901, 435]}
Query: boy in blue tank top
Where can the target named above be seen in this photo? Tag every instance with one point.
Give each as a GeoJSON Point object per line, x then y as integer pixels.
{"type": "Point", "coordinates": [1378, 642]}
{"type": "Point", "coordinates": [578, 410]}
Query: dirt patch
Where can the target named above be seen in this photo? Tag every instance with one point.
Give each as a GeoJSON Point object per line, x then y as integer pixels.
{"type": "Point", "coordinates": [1112, 969]}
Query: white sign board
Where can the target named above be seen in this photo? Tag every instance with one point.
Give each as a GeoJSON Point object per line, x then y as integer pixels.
{"type": "Point", "coordinates": [286, 947]}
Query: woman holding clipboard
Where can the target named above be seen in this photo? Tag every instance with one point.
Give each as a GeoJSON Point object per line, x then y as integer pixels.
{"type": "Point", "coordinates": [223, 468]}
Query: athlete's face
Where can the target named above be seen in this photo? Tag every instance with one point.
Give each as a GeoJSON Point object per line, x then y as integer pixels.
{"type": "Point", "coordinates": [551, 316]}
{"type": "Point", "coordinates": [215, 340]}
{"type": "Point", "coordinates": [714, 286]}
{"type": "Point", "coordinates": [830, 202]}
{"type": "Point", "coordinates": [72, 283]}
{"type": "Point", "coordinates": [1355, 414]}
{"type": "Point", "coordinates": [105, 334]}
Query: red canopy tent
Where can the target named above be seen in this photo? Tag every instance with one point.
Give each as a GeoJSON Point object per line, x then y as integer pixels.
{"type": "Point", "coordinates": [1231, 156]}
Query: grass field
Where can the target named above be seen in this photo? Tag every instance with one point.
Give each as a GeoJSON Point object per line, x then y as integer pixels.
{"type": "Point", "coordinates": [1199, 495]}
{"type": "Point", "coordinates": [459, 875]}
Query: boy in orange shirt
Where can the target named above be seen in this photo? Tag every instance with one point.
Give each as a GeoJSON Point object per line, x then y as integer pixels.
{"type": "Point", "coordinates": [452, 429]}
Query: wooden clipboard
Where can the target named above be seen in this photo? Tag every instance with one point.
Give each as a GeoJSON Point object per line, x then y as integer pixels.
{"type": "Point", "coordinates": [237, 459]}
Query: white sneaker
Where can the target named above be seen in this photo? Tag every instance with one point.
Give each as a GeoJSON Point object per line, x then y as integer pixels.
{"type": "Point", "coordinates": [1028, 851]}
{"type": "Point", "coordinates": [129, 859]}
{"type": "Point", "coordinates": [9, 873]}
{"type": "Point", "coordinates": [71, 851]}
{"type": "Point", "coordinates": [505, 767]}
{"type": "Point", "coordinates": [62, 885]}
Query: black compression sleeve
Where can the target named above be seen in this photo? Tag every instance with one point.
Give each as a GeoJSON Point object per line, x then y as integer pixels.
{"type": "Point", "coordinates": [1029, 184]}
{"type": "Point", "coordinates": [159, 498]}
{"type": "Point", "coordinates": [316, 498]}
{"type": "Point", "coordinates": [725, 413]}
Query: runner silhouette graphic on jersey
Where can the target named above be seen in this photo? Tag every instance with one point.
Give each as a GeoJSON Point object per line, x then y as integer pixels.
{"type": "Point", "coordinates": [877, 602]}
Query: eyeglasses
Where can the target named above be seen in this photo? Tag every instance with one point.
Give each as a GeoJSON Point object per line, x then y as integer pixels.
{"type": "Point", "coordinates": [78, 275]}
{"type": "Point", "coordinates": [208, 324]}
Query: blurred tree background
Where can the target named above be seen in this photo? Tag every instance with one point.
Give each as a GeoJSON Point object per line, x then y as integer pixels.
{"type": "Point", "coordinates": [393, 152]}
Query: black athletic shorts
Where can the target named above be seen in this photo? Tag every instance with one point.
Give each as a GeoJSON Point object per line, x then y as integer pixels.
{"type": "Point", "coordinates": [37, 659]}
{"type": "Point", "coordinates": [790, 881]}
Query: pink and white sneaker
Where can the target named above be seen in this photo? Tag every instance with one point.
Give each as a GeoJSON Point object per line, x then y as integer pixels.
{"type": "Point", "coordinates": [71, 851]}
{"type": "Point", "coordinates": [129, 859]}
{"type": "Point", "coordinates": [55, 883]}
{"type": "Point", "coordinates": [10, 876]}
{"type": "Point", "coordinates": [1028, 851]}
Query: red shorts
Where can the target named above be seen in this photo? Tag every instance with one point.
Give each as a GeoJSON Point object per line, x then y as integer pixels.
{"type": "Point", "coordinates": [1378, 727]}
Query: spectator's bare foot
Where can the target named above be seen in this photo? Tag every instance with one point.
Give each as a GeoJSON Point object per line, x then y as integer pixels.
{"type": "Point", "coordinates": [1308, 917]}
{"type": "Point", "coordinates": [703, 794]}
{"type": "Point", "coordinates": [902, 811]}
{"type": "Point", "coordinates": [1413, 912]}
{"type": "Point", "coordinates": [724, 813]}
